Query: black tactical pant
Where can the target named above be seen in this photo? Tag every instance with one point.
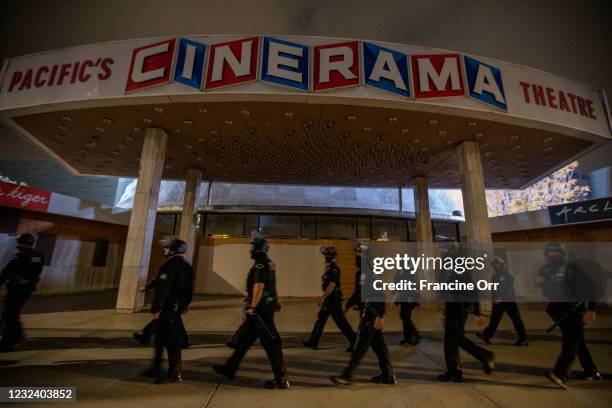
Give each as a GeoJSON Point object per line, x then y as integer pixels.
{"type": "Point", "coordinates": [259, 326]}
{"type": "Point", "coordinates": [16, 297]}
{"type": "Point", "coordinates": [332, 306]}
{"type": "Point", "coordinates": [367, 336]}
{"type": "Point", "coordinates": [572, 344]}
{"type": "Point", "coordinates": [168, 336]}
{"type": "Point", "coordinates": [513, 312]}
{"type": "Point", "coordinates": [454, 338]}
{"type": "Point", "coordinates": [410, 330]}
{"type": "Point", "coordinates": [149, 330]}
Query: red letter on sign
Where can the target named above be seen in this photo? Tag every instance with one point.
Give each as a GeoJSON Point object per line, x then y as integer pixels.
{"type": "Point", "coordinates": [336, 65]}
{"type": "Point", "coordinates": [15, 79]}
{"type": "Point", "coordinates": [150, 66]}
{"type": "Point", "coordinates": [437, 75]}
{"type": "Point", "coordinates": [232, 63]}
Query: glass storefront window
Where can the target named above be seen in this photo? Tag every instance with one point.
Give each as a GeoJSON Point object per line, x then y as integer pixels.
{"type": "Point", "coordinates": [445, 229]}
{"type": "Point", "coordinates": [280, 226]}
{"type": "Point", "coordinates": [309, 227]}
{"type": "Point", "coordinates": [389, 229]}
{"type": "Point", "coordinates": [251, 223]}
{"type": "Point", "coordinates": [412, 231]}
{"type": "Point", "coordinates": [225, 225]}
{"type": "Point", "coordinates": [166, 223]}
{"type": "Point", "coordinates": [295, 226]}
{"type": "Point", "coordinates": [363, 228]}
{"type": "Point", "coordinates": [331, 227]}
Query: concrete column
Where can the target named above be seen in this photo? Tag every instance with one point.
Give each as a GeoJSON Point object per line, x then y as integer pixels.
{"type": "Point", "coordinates": [189, 217]}
{"type": "Point", "coordinates": [421, 206]}
{"type": "Point", "coordinates": [142, 222]}
{"type": "Point", "coordinates": [477, 225]}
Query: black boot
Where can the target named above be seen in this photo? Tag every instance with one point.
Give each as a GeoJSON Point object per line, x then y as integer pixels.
{"type": "Point", "coordinates": [384, 379]}
{"type": "Point", "coordinates": [488, 365]}
{"type": "Point", "coordinates": [340, 380]}
{"type": "Point", "coordinates": [222, 370]}
{"type": "Point", "coordinates": [454, 377]}
{"type": "Point", "coordinates": [558, 381]}
{"type": "Point", "coordinates": [140, 339]}
{"type": "Point", "coordinates": [308, 344]}
{"type": "Point", "coordinates": [277, 384]}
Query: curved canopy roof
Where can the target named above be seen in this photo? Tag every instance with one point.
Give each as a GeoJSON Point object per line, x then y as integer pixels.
{"type": "Point", "coordinates": [302, 110]}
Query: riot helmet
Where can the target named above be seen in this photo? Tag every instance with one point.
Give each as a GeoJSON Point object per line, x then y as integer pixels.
{"type": "Point", "coordinates": [174, 246]}
{"type": "Point", "coordinates": [329, 252]}
{"type": "Point", "coordinates": [25, 240]}
{"type": "Point", "coordinates": [555, 251]}
{"type": "Point", "coordinates": [259, 245]}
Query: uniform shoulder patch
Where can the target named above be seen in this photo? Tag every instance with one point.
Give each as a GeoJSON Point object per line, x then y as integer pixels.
{"type": "Point", "coordinates": [163, 276]}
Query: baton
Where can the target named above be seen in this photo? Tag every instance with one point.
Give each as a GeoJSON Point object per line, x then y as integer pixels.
{"type": "Point", "coordinates": [265, 326]}
{"type": "Point", "coordinates": [565, 316]}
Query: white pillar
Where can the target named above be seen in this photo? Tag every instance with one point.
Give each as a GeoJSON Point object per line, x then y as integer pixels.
{"type": "Point", "coordinates": [189, 217]}
{"type": "Point", "coordinates": [477, 225]}
{"type": "Point", "coordinates": [422, 213]}
{"type": "Point", "coordinates": [142, 222]}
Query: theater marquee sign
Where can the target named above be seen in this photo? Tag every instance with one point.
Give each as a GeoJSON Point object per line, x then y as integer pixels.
{"type": "Point", "coordinates": [360, 71]}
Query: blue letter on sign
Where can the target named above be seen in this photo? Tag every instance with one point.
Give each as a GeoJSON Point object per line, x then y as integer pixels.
{"type": "Point", "coordinates": [285, 63]}
{"type": "Point", "coordinates": [485, 83]}
{"type": "Point", "coordinates": [386, 69]}
{"type": "Point", "coordinates": [190, 63]}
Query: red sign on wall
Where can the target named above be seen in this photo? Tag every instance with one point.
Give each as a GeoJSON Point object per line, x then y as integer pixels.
{"type": "Point", "coordinates": [12, 195]}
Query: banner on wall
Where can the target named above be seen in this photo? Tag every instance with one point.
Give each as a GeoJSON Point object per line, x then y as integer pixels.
{"type": "Point", "coordinates": [297, 65]}
{"type": "Point", "coordinates": [27, 198]}
{"type": "Point", "coordinates": [583, 211]}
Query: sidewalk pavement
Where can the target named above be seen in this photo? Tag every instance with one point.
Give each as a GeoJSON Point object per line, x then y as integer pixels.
{"type": "Point", "coordinates": [94, 351]}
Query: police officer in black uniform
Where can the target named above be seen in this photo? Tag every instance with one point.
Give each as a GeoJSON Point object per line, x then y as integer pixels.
{"type": "Point", "coordinates": [21, 275]}
{"type": "Point", "coordinates": [262, 301]}
{"type": "Point", "coordinates": [456, 310]}
{"type": "Point", "coordinates": [354, 301]}
{"type": "Point", "coordinates": [144, 337]}
{"type": "Point", "coordinates": [557, 279]}
{"type": "Point", "coordinates": [369, 334]}
{"type": "Point", "coordinates": [504, 300]}
{"type": "Point", "coordinates": [330, 302]}
{"type": "Point", "coordinates": [173, 293]}
{"type": "Point", "coordinates": [407, 304]}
